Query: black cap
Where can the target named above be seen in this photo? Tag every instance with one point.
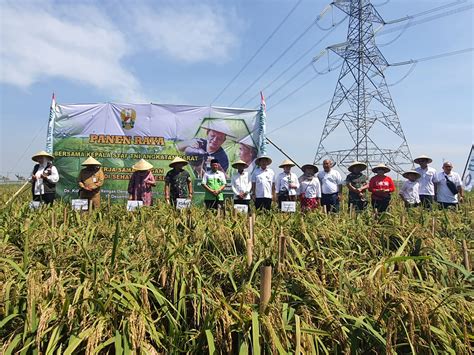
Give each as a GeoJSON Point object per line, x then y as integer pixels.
{"type": "Point", "coordinates": [214, 161]}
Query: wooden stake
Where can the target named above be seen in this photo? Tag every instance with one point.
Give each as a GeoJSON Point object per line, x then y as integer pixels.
{"type": "Point", "coordinates": [249, 252]}
{"type": "Point", "coordinates": [402, 219]}
{"type": "Point", "coordinates": [433, 226]}
{"type": "Point", "coordinates": [325, 209]}
{"type": "Point", "coordinates": [281, 250]}
{"type": "Point", "coordinates": [467, 264]}
{"type": "Point", "coordinates": [351, 210]}
{"type": "Point", "coordinates": [53, 219]}
{"type": "Point", "coordinates": [251, 224]}
{"type": "Point", "coordinates": [265, 286]}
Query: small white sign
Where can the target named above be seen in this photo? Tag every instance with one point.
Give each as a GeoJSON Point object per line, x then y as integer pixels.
{"type": "Point", "coordinates": [132, 205]}
{"type": "Point", "coordinates": [34, 205]}
{"type": "Point", "coordinates": [183, 203]}
{"type": "Point", "coordinates": [241, 208]}
{"type": "Point", "coordinates": [288, 206]}
{"type": "Point", "coordinates": [80, 204]}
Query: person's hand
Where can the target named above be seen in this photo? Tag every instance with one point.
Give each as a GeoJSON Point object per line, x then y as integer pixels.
{"type": "Point", "coordinates": [130, 197]}
{"type": "Point", "coordinates": [339, 197]}
{"type": "Point", "coordinates": [33, 178]}
{"type": "Point", "coordinates": [461, 199]}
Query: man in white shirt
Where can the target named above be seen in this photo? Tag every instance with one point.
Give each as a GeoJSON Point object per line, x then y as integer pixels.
{"type": "Point", "coordinates": [410, 189]}
{"type": "Point", "coordinates": [286, 183]}
{"type": "Point", "coordinates": [44, 178]}
{"type": "Point", "coordinates": [241, 185]}
{"type": "Point", "coordinates": [448, 184]}
{"type": "Point", "coordinates": [331, 187]}
{"type": "Point", "coordinates": [426, 180]}
{"type": "Point", "coordinates": [263, 187]}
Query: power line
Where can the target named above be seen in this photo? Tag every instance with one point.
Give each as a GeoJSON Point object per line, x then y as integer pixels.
{"type": "Point", "coordinates": [257, 52]}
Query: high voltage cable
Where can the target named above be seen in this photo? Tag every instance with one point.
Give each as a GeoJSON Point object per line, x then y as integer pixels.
{"type": "Point", "coordinates": [258, 51]}
{"type": "Point", "coordinates": [295, 62]}
{"type": "Point", "coordinates": [423, 59]}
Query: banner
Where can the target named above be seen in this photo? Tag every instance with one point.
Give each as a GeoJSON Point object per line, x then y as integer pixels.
{"type": "Point", "coordinates": [468, 174]}
{"type": "Point", "coordinates": [118, 135]}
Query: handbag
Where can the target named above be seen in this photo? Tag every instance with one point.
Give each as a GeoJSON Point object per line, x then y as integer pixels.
{"type": "Point", "coordinates": [451, 185]}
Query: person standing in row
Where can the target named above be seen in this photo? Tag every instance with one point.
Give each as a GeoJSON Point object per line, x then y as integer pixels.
{"type": "Point", "coordinates": [410, 191]}
{"type": "Point", "coordinates": [310, 188]}
{"type": "Point", "coordinates": [357, 183]}
{"type": "Point", "coordinates": [427, 176]}
{"type": "Point", "coordinates": [381, 187]}
{"type": "Point", "coordinates": [141, 182]}
{"type": "Point", "coordinates": [214, 183]}
{"type": "Point", "coordinates": [448, 187]}
{"type": "Point", "coordinates": [44, 178]}
{"type": "Point", "coordinates": [241, 185]}
{"type": "Point", "coordinates": [263, 186]}
{"type": "Point", "coordinates": [286, 183]}
{"type": "Point", "coordinates": [90, 180]}
{"type": "Point", "coordinates": [331, 187]}
{"type": "Point", "coordinates": [178, 183]}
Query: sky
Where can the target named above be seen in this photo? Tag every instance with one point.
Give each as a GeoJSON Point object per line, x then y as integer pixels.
{"type": "Point", "coordinates": [187, 52]}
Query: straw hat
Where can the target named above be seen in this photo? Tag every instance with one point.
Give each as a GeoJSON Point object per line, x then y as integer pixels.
{"type": "Point", "coordinates": [142, 165]}
{"type": "Point", "coordinates": [239, 162]}
{"type": "Point", "coordinates": [357, 163]}
{"type": "Point", "coordinates": [382, 166]}
{"type": "Point", "coordinates": [257, 161]}
{"type": "Point", "coordinates": [306, 166]}
{"type": "Point", "coordinates": [247, 140]}
{"type": "Point", "coordinates": [411, 172]}
{"type": "Point", "coordinates": [422, 157]}
{"type": "Point", "coordinates": [177, 160]}
{"type": "Point", "coordinates": [218, 125]}
{"type": "Point", "coordinates": [91, 161]}
{"type": "Point", "coordinates": [41, 154]}
{"type": "Point", "coordinates": [286, 162]}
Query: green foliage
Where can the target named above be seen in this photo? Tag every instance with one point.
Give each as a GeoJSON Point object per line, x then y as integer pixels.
{"type": "Point", "coordinates": [162, 281]}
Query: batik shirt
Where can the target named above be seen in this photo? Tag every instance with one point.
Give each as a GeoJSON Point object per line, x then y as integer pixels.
{"type": "Point", "coordinates": [357, 181]}
{"type": "Point", "coordinates": [178, 181]}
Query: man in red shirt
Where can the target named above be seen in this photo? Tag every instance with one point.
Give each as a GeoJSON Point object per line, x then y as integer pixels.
{"type": "Point", "coordinates": [381, 187]}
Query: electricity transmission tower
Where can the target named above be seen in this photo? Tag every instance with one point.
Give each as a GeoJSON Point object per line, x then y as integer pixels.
{"type": "Point", "coordinates": [362, 106]}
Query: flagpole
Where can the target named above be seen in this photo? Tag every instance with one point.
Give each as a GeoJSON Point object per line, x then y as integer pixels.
{"type": "Point", "coordinates": [281, 151]}
{"type": "Point", "coordinates": [49, 135]}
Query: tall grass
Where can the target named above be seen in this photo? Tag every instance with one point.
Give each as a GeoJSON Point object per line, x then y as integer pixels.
{"type": "Point", "coordinates": [160, 281]}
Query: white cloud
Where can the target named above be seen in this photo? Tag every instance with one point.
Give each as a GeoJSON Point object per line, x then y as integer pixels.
{"type": "Point", "coordinates": [188, 32]}
{"type": "Point", "coordinates": [82, 46]}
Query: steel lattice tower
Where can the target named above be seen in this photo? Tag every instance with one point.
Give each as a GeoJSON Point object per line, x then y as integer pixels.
{"type": "Point", "coordinates": [362, 101]}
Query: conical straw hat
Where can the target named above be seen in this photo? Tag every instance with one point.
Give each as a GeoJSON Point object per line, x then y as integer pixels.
{"type": "Point", "coordinates": [91, 161]}
{"type": "Point", "coordinates": [177, 160]}
{"type": "Point", "coordinates": [142, 165]}
{"type": "Point", "coordinates": [306, 166]}
{"type": "Point", "coordinates": [421, 157]}
{"type": "Point", "coordinates": [218, 126]}
{"type": "Point", "coordinates": [257, 161]}
{"type": "Point", "coordinates": [382, 166]}
{"type": "Point", "coordinates": [409, 172]}
{"type": "Point", "coordinates": [357, 163]}
{"type": "Point", "coordinates": [239, 162]}
{"type": "Point", "coordinates": [286, 162]}
{"type": "Point", "coordinates": [41, 154]}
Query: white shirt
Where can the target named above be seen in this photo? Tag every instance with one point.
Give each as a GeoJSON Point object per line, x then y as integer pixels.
{"type": "Point", "coordinates": [330, 181]}
{"type": "Point", "coordinates": [263, 180]}
{"type": "Point", "coordinates": [443, 193]}
{"type": "Point", "coordinates": [283, 181]}
{"type": "Point", "coordinates": [411, 191]}
{"type": "Point", "coordinates": [426, 180]}
{"type": "Point", "coordinates": [241, 183]}
{"type": "Point", "coordinates": [39, 183]}
{"type": "Point", "coordinates": [310, 187]}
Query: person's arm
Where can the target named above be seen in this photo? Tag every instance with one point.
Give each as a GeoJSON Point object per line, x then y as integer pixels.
{"type": "Point", "coordinates": [80, 182]}
{"type": "Point", "coordinates": [233, 183]}
{"type": "Point", "coordinates": [460, 189]}
{"type": "Point", "coordinates": [100, 178]}
{"type": "Point", "coordinates": [372, 185]}
{"type": "Point", "coordinates": [150, 179]}
{"type": "Point", "coordinates": [131, 187]}
{"type": "Point", "coordinates": [190, 187]}
{"type": "Point", "coordinates": [252, 190]}
{"type": "Point", "coordinates": [276, 182]}
{"type": "Point", "coordinates": [273, 192]}
{"type": "Point", "coordinates": [167, 192]}
{"type": "Point", "coordinates": [204, 184]}
{"type": "Point", "coordinates": [296, 184]}
{"type": "Point", "coordinates": [54, 176]}
{"type": "Point", "coordinates": [391, 185]}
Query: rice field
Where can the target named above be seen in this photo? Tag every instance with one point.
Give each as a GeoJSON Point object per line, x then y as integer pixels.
{"type": "Point", "coordinates": [158, 281]}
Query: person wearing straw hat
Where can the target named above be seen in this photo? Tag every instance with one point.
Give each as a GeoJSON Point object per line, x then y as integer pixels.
{"type": "Point", "coordinates": [141, 182]}
{"type": "Point", "coordinates": [241, 185]}
{"type": "Point", "coordinates": [178, 183]}
{"type": "Point", "coordinates": [263, 186]}
{"type": "Point", "coordinates": [90, 180]}
{"type": "Point", "coordinates": [449, 190]}
{"type": "Point", "coordinates": [381, 187]}
{"type": "Point", "coordinates": [214, 182]}
{"type": "Point", "coordinates": [357, 184]}
{"type": "Point", "coordinates": [44, 178]}
{"type": "Point", "coordinates": [286, 183]}
{"type": "Point", "coordinates": [331, 186]}
{"type": "Point", "coordinates": [427, 176]}
{"type": "Point", "coordinates": [310, 188]}
{"type": "Point", "coordinates": [410, 191]}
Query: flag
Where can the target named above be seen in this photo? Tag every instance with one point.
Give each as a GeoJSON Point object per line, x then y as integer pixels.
{"type": "Point", "coordinates": [468, 175]}
{"type": "Point", "coordinates": [262, 144]}
{"type": "Point", "coordinates": [49, 135]}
